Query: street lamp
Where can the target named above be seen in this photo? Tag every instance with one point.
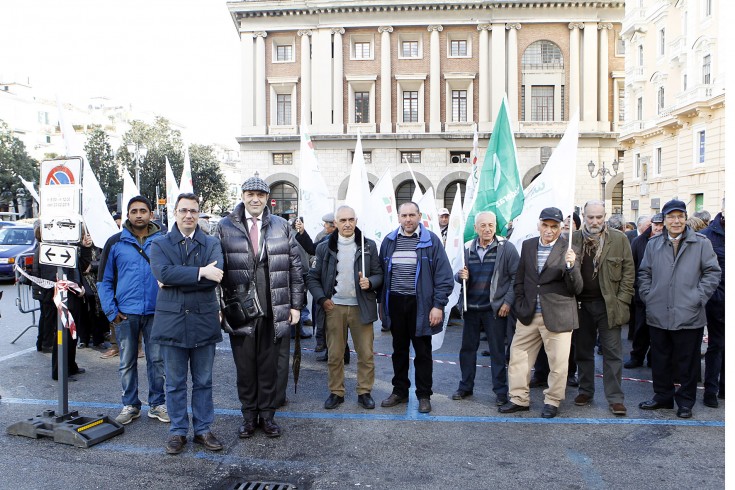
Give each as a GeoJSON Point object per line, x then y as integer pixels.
{"type": "Point", "coordinates": [602, 172]}
{"type": "Point", "coordinates": [138, 152]}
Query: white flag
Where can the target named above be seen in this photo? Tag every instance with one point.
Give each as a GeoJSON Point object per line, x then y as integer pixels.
{"type": "Point", "coordinates": [130, 190]}
{"type": "Point", "coordinates": [455, 254]}
{"type": "Point", "coordinates": [417, 194]}
{"type": "Point", "coordinates": [172, 192]}
{"type": "Point", "coordinates": [31, 189]}
{"type": "Point", "coordinates": [187, 184]}
{"type": "Point", "coordinates": [97, 218]}
{"type": "Point", "coordinates": [553, 188]}
{"type": "Point", "coordinates": [314, 201]}
{"type": "Point", "coordinates": [429, 213]}
{"type": "Point", "coordinates": [358, 187]}
{"type": "Point", "coordinates": [472, 180]}
{"type": "Point", "coordinates": [383, 211]}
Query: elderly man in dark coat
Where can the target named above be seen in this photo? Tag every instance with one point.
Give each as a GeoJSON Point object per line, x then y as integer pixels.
{"type": "Point", "coordinates": [188, 266]}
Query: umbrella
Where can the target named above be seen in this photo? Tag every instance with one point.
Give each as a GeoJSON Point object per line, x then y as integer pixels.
{"type": "Point", "coordinates": [296, 364]}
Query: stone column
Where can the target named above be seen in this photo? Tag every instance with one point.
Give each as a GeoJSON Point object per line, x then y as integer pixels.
{"type": "Point", "coordinates": [574, 28]}
{"type": "Point", "coordinates": [386, 82]}
{"type": "Point", "coordinates": [604, 97]}
{"type": "Point", "coordinates": [498, 69]}
{"type": "Point", "coordinates": [248, 96]}
{"type": "Point", "coordinates": [589, 77]}
{"type": "Point", "coordinates": [338, 83]}
{"type": "Point", "coordinates": [435, 123]}
{"type": "Point", "coordinates": [513, 70]}
{"type": "Point", "coordinates": [483, 111]}
{"type": "Point", "coordinates": [305, 78]}
{"type": "Point", "coordinates": [260, 82]}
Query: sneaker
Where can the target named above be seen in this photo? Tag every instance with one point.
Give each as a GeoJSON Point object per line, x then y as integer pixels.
{"type": "Point", "coordinates": [159, 412]}
{"type": "Point", "coordinates": [127, 415]}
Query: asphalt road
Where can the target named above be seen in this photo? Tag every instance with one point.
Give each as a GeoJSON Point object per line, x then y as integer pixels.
{"type": "Point", "coordinates": [465, 444]}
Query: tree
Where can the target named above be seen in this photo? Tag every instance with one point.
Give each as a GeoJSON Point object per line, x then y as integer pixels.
{"type": "Point", "coordinates": [14, 162]}
{"type": "Point", "coordinates": [161, 141]}
{"type": "Point", "coordinates": [102, 160]}
{"type": "Point", "coordinates": [209, 182]}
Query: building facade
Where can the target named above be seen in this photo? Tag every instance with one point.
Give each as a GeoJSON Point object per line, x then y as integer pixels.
{"type": "Point", "coordinates": [414, 77]}
{"type": "Point", "coordinates": [674, 131]}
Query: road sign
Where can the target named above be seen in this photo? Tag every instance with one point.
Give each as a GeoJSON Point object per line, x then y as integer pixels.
{"type": "Point", "coordinates": [61, 228]}
{"type": "Point", "coordinates": [58, 255]}
{"type": "Point", "coordinates": [273, 203]}
{"type": "Point", "coordinates": [162, 202]}
{"type": "Point", "coordinates": [60, 205]}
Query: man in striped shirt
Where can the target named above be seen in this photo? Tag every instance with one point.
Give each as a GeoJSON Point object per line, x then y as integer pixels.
{"type": "Point", "coordinates": [416, 288]}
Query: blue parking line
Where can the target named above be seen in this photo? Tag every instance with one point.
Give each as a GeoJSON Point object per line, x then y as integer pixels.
{"type": "Point", "coordinates": [412, 415]}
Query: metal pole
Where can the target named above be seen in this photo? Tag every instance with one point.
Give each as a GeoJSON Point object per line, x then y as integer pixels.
{"type": "Point", "coordinates": [62, 355]}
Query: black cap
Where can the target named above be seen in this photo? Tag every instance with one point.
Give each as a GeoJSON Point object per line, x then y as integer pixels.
{"type": "Point", "coordinates": [117, 216]}
{"type": "Point", "coordinates": [657, 218]}
{"type": "Point", "coordinates": [552, 214]}
{"type": "Point", "coordinates": [674, 205]}
{"type": "Point", "coordinates": [577, 220]}
{"type": "Point", "coordinates": [256, 184]}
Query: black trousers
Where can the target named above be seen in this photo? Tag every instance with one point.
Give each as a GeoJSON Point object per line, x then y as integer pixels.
{"type": "Point", "coordinates": [676, 352]}
{"type": "Point", "coordinates": [75, 306]}
{"type": "Point", "coordinates": [256, 363]}
{"type": "Point", "coordinates": [714, 358]}
{"type": "Point", "coordinates": [402, 311]}
{"type": "Point", "coordinates": [642, 337]}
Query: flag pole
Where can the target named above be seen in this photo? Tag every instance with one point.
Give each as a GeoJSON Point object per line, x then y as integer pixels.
{"type": "Point", "coordinates": [362, 235]}
{"type": "Point", "coordinates": [464, 293]}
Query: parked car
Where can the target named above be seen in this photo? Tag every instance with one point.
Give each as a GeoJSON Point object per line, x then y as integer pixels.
{"type": "Point", "coordinates": [14, 240]}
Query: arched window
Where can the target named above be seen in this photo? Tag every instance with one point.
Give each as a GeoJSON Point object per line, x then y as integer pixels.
{"type": "Point", "coordinates": [451, 191]}
{"type": "Point", "coordinates": [542, 89]}
{"type": "Point", "coordinates": [404, 191]}
{"type": "Point", "coordinates": [287, 199]}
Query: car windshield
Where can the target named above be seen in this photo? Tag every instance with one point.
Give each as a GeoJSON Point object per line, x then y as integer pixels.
{"type": "Point", "coordinates": [16, 236]}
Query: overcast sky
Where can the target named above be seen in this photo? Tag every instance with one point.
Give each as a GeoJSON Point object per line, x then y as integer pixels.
{"type": "Point", "coordinates": [179, 58]}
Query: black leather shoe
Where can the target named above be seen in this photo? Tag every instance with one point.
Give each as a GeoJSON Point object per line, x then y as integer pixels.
{"type": "Point", "coordinates": [208, 441]}
{"type": "Point", "coordinates": [461, 394]}
{"type": "Point", "coordinates": [333, 401]}
{"type": "Point", "coordinates": [347, 355]}
{"type": "Point", "coordinates": [424, 405]}
{"type": "Point", "coordinates": [366, 401]}
{"type": "Point", "coordinates": [710, 400]}
{"type": "Point", "coordinates": [79, 370]}
{"type": "Point", "coordinates": [632, 363]}
{"type": "Point", "coordinates": [320, 346]}
{"type": "Point", "coordinates": [305, 334]}
{"type": "Point", "coordinates": [247, 429]}
{"type": "Point", "coordinates": [270, 427]}
{"type": "Point", "coordinates": [485, 353]}
{"type": "Point", "coordinates": [393, 400]}
{"type": "Point", "coordinates": [655, 405]}
{"type": "Point", "coordinates": [684, 413]}
{"type": "Point", "coordinates": [549, 411]}
{"type": "Point", "coordinates": [538, 382]}
{"type": "Point", "coordinates": [175, 444]}
{"type": "Point", "coordinates": [511, 407]}
{"type": "Point", "coordinates": [501, 400]}
{"type": "Point", "coordinates": [323, 358]}
{"type": "Point", "coordinates": [573, 381]}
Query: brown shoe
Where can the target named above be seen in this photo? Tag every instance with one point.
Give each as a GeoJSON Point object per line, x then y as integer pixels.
{"type": "Point", "coordinates": [582, 400]}
{"type": "Point", "coordinates": [618, 409]}
{"type": "Point", "coordinates": [393, 400]}
{"type": "Point", "coordinates": [111, 352]}
{"type": "Point", "coordinates": [270, 427]}
{"type": "Point", "coordinates": [424, 405]}
{"type": "Point", "coordinates": [208, 441]}
{"type": "Point", "coordinates": [175, 444]}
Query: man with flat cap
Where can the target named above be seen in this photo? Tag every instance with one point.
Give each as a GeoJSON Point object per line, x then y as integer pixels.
{"type": "Point", "coordinates": [258, 246]}
{"type": "Point", "coordinates": [546, 283]}
{"type": "Point", "coordinates": [444, 224]}
{"type": "Point", "coordinates": [678, 275]}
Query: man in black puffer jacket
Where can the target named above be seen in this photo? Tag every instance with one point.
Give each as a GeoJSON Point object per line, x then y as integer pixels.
{"type": "Point", "coordinates": [257, 247]}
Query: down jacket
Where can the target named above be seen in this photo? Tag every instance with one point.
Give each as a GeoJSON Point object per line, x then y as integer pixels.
{"type": "Point", "coordinates": [286, 282]}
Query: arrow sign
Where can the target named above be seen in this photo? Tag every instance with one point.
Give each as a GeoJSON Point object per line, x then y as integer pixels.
{"type": "Point", "coordinates": [58, 255]}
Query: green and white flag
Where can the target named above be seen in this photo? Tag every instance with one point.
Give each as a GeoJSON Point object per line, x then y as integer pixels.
{"type": "Point", "coordinates": [499, 189]}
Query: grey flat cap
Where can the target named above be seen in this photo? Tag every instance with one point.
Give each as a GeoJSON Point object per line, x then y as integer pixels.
{"type": "Point", "coordinates": [256, 184]}
{"type": "Point", "coordinates": [329, 218]}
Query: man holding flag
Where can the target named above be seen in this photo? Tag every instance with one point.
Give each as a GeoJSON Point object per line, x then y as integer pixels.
{"type": "Point", "coordinates": [491, 263]}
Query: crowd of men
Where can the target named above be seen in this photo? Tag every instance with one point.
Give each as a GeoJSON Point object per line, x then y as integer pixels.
{"type": "Point", "coordinates": [553, 302]}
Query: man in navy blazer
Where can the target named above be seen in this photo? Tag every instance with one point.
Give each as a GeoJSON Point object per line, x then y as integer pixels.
{"type": "Point", "coordinates": [188, 266]}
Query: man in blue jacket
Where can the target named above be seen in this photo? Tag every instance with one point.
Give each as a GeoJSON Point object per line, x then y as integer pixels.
{"type": "Point", "coordinates": [417, 283]}
{"type": "Point", "coordinates": [127, 291]}
{"type": "Point", "coordinates": [714, 359]}
{"type": "Point", "coordinates": [188, 266]}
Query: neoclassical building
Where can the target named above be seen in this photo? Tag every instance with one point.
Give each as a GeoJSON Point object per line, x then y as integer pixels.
{"type": "Point", "coordinates": [413, 77]}
{"type": "Point", "coordinates": [674, 131]}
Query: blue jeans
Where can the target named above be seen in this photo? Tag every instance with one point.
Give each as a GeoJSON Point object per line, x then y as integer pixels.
{"type": "Point", "coordinates": [494, 327]}
{"type": "Point", "coordinates": [178, 361]}
{"type": "Point", "coordinates": [127, 333]}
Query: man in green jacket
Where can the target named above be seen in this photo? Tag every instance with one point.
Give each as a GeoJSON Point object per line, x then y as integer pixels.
{"type": "Point", "coordinates": [608, 274]}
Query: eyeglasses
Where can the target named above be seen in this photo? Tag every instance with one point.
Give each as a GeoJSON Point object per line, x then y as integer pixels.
{"type": "Point", "coordinates": [184, 211]}
{"type": "Point", "coordinates": [676, 217]}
